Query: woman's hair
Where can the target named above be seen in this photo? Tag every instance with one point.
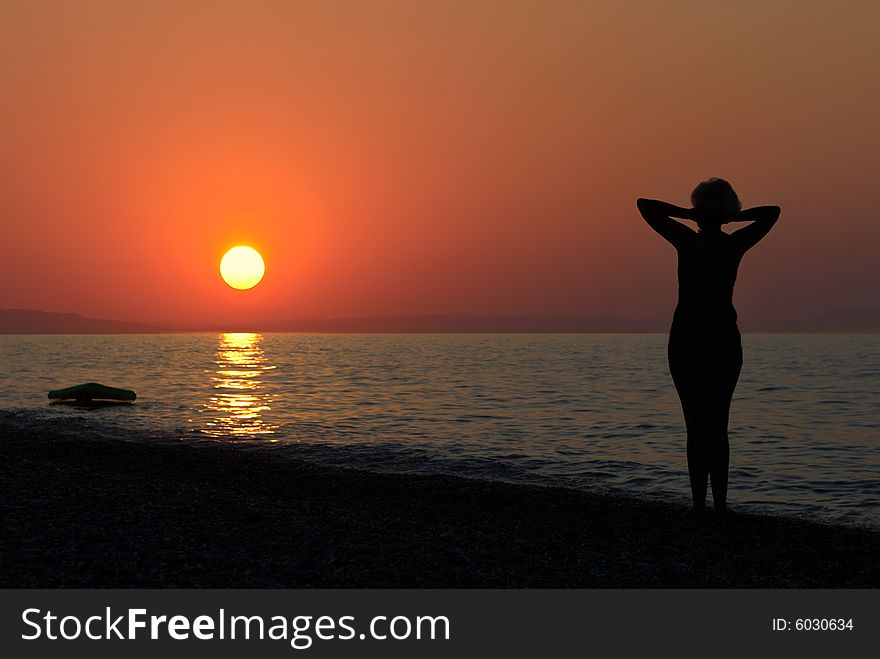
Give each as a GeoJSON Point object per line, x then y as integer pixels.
{"type": "Point", "coordinates": [716, 194]}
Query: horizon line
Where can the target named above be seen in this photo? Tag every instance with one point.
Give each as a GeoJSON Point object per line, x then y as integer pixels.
{"type": "Point", "coordinates": [30, 321]}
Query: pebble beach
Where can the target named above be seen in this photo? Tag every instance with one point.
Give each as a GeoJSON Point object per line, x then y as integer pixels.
{"type": "Point", "coordinates": [85, 513]}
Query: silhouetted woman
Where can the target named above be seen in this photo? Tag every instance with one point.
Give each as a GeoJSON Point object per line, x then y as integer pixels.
{"type": "Point", "coordinates": [705, 353]}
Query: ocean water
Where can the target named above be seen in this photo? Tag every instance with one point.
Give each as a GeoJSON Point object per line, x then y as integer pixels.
{"type": "Point", "coordinates": [580, 410]}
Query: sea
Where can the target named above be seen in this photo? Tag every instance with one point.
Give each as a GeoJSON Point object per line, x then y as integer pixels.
{"type": "Point", "coordinates": [592, 411]}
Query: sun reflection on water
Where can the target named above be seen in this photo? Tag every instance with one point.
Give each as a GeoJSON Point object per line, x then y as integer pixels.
{"type": "Point", "coordinates": [239, 404]}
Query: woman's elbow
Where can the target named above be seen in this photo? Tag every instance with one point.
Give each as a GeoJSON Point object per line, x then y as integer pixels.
{"type": "Point", "coordinates": [767, 215]}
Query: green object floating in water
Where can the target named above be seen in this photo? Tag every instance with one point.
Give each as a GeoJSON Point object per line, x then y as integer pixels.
{"type": "Point", "coordinates": [92, 391]}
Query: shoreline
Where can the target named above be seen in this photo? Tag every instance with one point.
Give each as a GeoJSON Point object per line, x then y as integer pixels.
{"type": "Point", "coordinates": [96, 513]}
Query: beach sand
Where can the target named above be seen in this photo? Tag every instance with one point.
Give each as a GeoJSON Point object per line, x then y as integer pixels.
{"type": "Point", "coordinates": [86, 513]}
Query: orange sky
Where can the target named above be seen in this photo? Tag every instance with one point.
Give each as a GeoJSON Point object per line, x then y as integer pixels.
{"type": "Point", "coordinates": [428, 157]}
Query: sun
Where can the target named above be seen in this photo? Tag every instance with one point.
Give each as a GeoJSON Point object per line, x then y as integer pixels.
{"type": "Point", "coordinates": [242, 267]}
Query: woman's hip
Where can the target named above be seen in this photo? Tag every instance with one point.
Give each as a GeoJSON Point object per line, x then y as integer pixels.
{"type": "Point", "coordinates": [705, 356]}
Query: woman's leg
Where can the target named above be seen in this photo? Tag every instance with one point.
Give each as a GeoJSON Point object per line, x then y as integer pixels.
{"type": "Point", "coordinates": [684, 365]}
{"type": "Point", "coordinates": [719, 457]}
{"type": "Point", "coordinates": [697, 459]}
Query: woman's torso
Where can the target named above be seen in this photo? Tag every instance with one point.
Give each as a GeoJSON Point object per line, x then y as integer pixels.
{"type": "Point", "coordinates": [707, 268]}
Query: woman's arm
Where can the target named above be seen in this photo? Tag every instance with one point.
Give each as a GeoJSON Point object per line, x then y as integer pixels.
{"type": "Point", "coordinates": [762, 219]}
{"type": "Point", "coordinates": [659, 214]}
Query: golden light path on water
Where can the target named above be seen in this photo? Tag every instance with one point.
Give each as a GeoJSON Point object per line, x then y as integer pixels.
{"type": "Point", "coordinates": [239, 404]}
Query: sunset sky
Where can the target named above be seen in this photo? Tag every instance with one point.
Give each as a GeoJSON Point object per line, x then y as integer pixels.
{"type": "Point", "coordinates": [392, 158]}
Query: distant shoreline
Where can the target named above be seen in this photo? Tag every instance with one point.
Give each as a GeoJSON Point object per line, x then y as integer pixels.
{"type": "Point", "coordinates": [25, 321]}
{"type": "Point", "coordinates": [85, 513]}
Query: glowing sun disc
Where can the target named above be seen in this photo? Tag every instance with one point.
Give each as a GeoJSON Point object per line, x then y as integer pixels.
{"type": "Point", "coordinates": [242, 267]}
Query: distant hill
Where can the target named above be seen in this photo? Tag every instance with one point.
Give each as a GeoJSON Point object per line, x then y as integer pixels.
{"type": "Point", "coordinates": [851, 321]}
{"type": "Point", "coordinates": [465, 323]}
{"type": "Point", "coordinates": [25, 321]}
